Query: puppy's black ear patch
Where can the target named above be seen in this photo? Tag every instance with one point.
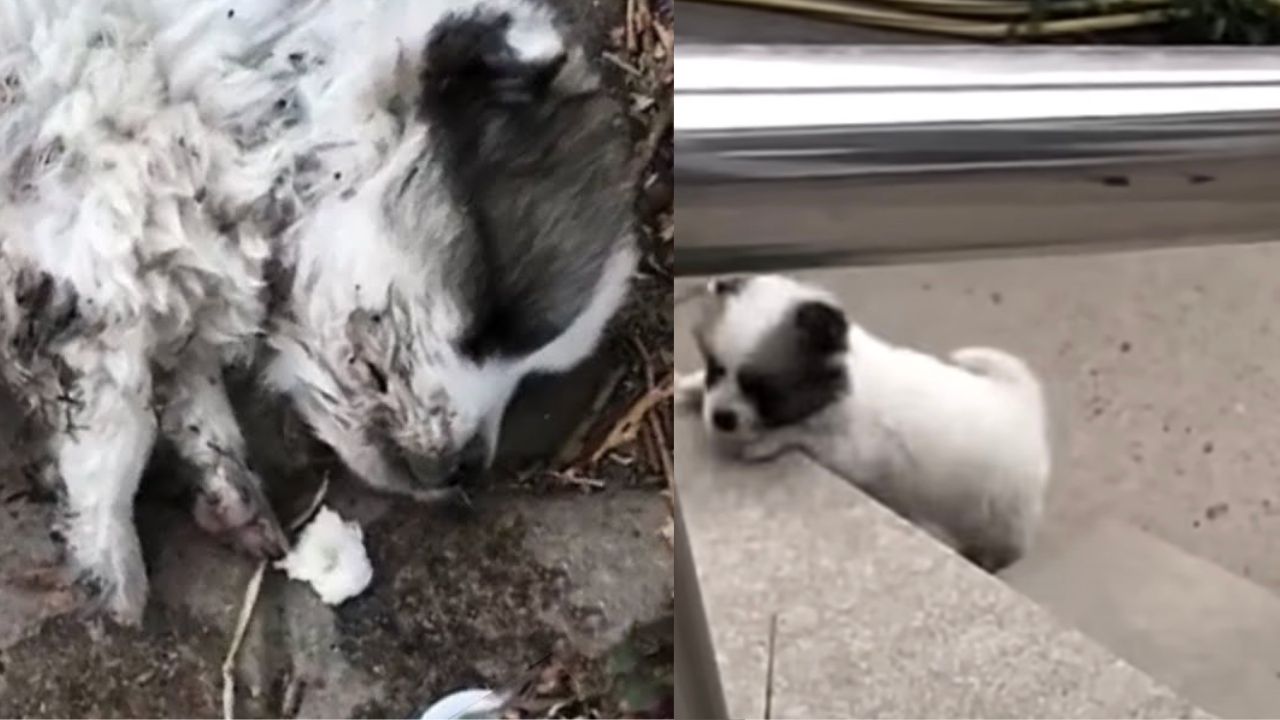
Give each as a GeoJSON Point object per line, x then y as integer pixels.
{"type": "Point", "coordinates": [728, 285]}
{"type": "Point", "coordinates": [823, 327]}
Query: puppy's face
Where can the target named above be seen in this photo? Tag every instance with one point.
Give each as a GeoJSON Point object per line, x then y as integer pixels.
{"type": "Point", "coordinates": [774, 355]}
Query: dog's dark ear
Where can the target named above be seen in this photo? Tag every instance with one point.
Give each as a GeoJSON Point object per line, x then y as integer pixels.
{"type": "Point", "coordinates": [726, 286]}
{"type": "Point", "coordinates": [823, 327]}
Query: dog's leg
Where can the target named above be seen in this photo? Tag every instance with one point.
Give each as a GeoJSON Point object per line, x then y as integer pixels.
{"type": "Point", "coordinates": [196, 416]}
{"type": "Point", "coordinates": [101, 450]}
{"type": "Point", "coordinates": [690, 389]}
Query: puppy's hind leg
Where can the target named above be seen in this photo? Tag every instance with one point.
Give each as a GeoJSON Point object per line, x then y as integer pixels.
{"type": "Point", "coordinates": [101, 452]}
{"type": "Point", "coordinates": [196, 416]}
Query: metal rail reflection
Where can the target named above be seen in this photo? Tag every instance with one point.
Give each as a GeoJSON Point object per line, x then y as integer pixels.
{"type": "Point", "coordinates": [789, 156]}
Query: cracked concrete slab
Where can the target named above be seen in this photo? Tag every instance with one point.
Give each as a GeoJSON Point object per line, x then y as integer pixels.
{"type": "Point", "coordinates": [454, 603]}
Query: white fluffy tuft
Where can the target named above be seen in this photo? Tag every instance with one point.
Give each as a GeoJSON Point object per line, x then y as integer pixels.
{"type": "Point", "coordinates": [330, 556]}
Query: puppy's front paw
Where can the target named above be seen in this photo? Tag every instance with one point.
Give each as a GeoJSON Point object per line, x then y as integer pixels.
{"type": "Point", "coordinates": [762, 450]}
{"type": "Point", "coordinates": [690, 389]}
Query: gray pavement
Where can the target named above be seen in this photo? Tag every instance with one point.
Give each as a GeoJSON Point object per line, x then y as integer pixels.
{"type": "Point", "coordinates": [1212, 636]}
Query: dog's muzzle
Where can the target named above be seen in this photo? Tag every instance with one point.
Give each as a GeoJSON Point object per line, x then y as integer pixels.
{"type": "Point", "coordinates": [456, 468]}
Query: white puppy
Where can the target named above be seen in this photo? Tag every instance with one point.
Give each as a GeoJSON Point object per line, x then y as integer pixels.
{"type": "Point", "coordinates": [960, 448]}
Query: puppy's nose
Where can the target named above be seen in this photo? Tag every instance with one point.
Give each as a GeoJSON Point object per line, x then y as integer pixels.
{"type": "Point", "coordinates": [725, 420]}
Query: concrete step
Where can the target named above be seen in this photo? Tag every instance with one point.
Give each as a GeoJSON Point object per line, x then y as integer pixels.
{"type": "Point", "coordinates": [1212, 636]}
{"type": "Point", "coordinates": [820, 603]}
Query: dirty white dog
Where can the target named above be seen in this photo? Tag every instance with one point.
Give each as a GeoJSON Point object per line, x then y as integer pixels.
{"type": "Point", "coordinates": [958, 447]}
{"type": "Point", "coordinates": [415, 203]}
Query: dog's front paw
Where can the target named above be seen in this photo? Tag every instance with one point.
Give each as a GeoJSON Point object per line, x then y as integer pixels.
{"type": "Point", "coordinates": [54, 585]}
{"type": "Point", "coordinates": [690, 389]}
{"type": "Point", "coordinates": [234, 508]}
{"type": "Point", "coordinates": [117, 593]}
{"type": "Point", "coordinates": [113, 583]}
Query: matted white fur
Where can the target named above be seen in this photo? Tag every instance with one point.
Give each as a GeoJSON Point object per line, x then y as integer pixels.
{"type": "Point", "coordinates": [155, 157]}
{"type": "Point", "coordinates": [959, 447]}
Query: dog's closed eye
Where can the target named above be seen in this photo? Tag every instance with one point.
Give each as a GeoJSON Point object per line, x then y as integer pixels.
{"type": "Point", "coordinates": [379, 378]}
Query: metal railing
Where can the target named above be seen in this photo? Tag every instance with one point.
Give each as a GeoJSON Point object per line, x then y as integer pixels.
{"type": "Point", "coordinates": [808, 155]}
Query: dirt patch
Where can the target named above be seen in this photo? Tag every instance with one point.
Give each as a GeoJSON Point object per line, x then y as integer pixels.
{"type": "Point", "coordinates": [459, 612]}
{"type": "Point", "coordinates": [500, 601]}
{"type": "Point", "coordinates": [70, 668]}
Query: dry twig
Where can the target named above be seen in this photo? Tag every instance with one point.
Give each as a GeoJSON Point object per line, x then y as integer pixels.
{"type": "Point", "coordinates": [624, 431]}
{"type": "Point", "coordinates": [631, 26]}
{"type": "Point", "coordinates": [247, 606]}
{"type": "Point", "coordinates": [649, 148]}
{"type": "Point", "coordinates": [292, 701]}
{"type": "Point", "coordinates": [570, 453]}
{"type": "Point", "coordinates": [242, 624]}
{"type": "Point", "coordinates": [645, 358]}
{"type": "Point", "coordinates": [656, 422]}
{"type": "Point", "coordinates": [316, 501]}
{"type": "Point", "coordinates": [623, 65]}
{"type": "Point", "coordinates": [668, 40]}
{"type": "Point", "coordinates": [571, 477]}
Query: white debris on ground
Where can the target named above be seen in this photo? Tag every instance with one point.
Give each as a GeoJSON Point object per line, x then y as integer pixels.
{"type": "Point", "coordinates": [330, 555]}
{"type": "Point", "coordinates": [467, 704]}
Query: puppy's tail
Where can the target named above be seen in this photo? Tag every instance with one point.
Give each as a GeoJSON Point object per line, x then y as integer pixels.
{"type": "Point", "coordinates": [999, 366]}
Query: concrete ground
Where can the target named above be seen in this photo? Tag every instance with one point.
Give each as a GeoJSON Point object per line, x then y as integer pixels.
{"type": "Point", "coordinates": [1161, 373]}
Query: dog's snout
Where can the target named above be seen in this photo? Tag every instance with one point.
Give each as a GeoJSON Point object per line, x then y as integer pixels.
{"type": "Point", "coordinates": [469, 462]}
{"type": "Point", "coordinates": [725, 420]}
{"type": "Point", "coordinates": [450, 468]}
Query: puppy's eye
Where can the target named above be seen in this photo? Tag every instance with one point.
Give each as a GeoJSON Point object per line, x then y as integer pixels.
{"type": "Point", "coordinates": [757, 387]}
{"type": "Point", "coordinates": [715, 371]}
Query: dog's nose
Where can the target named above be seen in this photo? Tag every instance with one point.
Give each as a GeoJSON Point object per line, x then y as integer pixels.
{"type": "Point", "coordinates": [448, 469]}
{"type": "Point", "coordinates": [725, 420]}
{"type": "Point", "coordinates": [470, 462]}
